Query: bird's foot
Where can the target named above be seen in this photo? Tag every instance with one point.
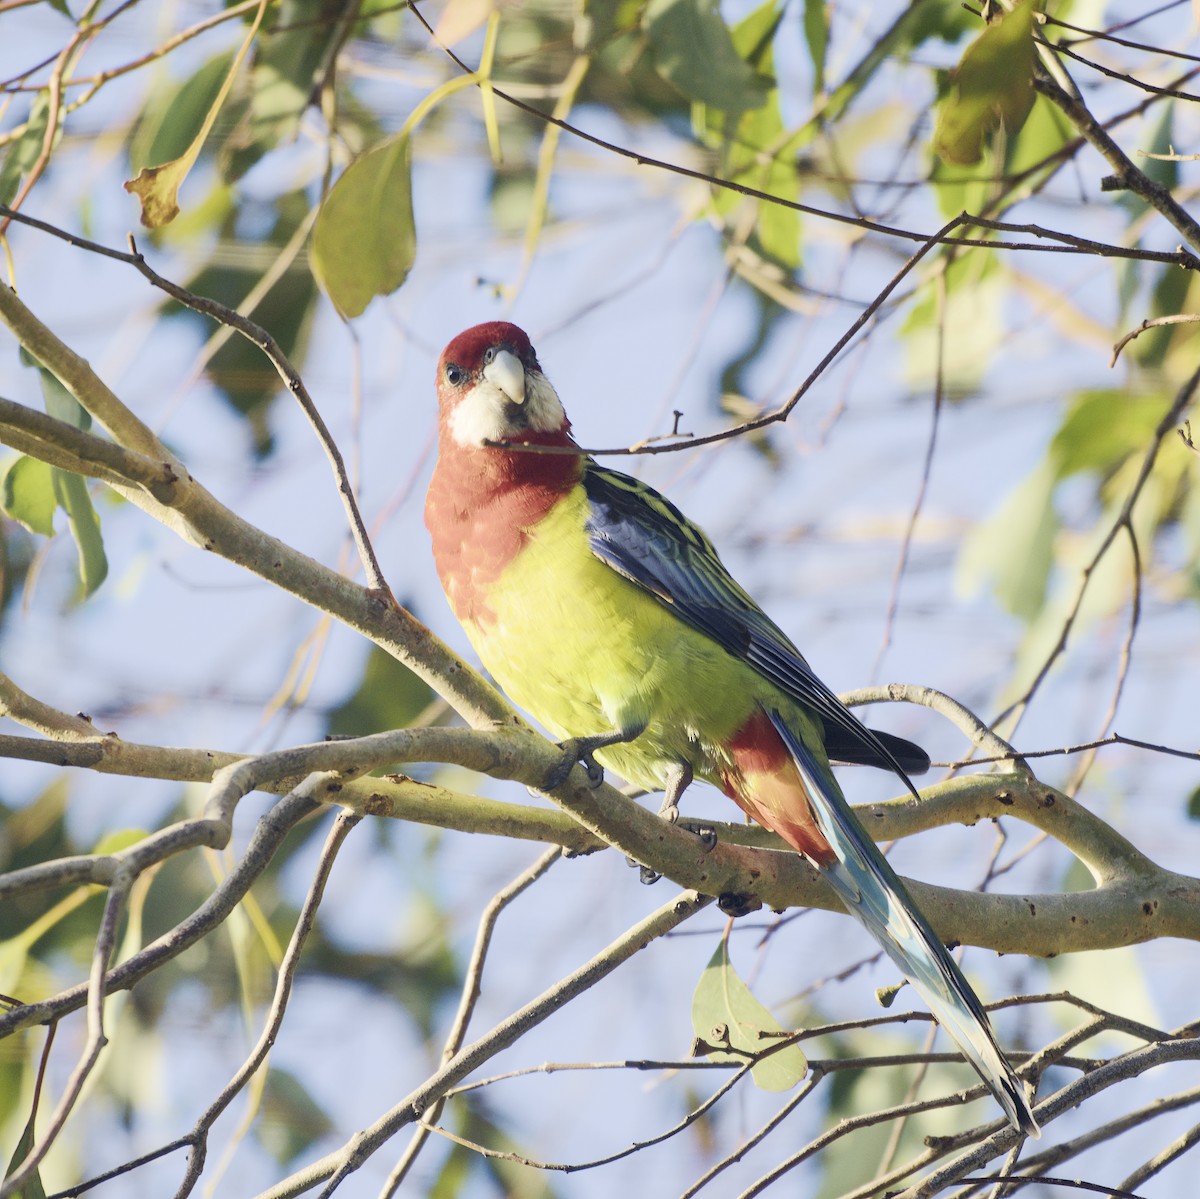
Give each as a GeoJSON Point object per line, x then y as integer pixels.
{"type": "Point", "coordinates": [574, 750]}
{"type": "Point", "coordinates": [708, 837]}
{"type": "Point", "coordinates": [582, 749]}
{"type": "Point", "coordinates": [736, 905]}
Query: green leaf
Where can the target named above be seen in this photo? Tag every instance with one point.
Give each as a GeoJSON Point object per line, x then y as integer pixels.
{"type": "Point", "coordinates": [293, 1119]}
{"type": "Point", "coordinates": [756, 150]}
{"type": "Point", "coordinates": [1013, 550]}
{"type": "Point", "coordinates": [61, 404]}
{"type": "Point", "coordinates": [693, 50]}
{"type": "Point", "coordinates": [32, 1189]}
{"type": "Point", "coordinates": [972, 317]}
{"type": "Point", "coordinates": [28, 495]}
{"type": "Point", "coordinates": [1193, 805]}
{"type": "Point", "coordinates": [281, 86]}
{"type": "Point", "coordinates": [816, 34]}
{"type": "Point", "coordinates": [724, 1012]}
{"type": "Point", "coordinates": [175, 114]}
{"type": "Point", "coordinates": [993, 88]}
{"type": "Point", "coordinates": [1102, 428]}
{"type": "Point", "coordinates": [24, 151]}
{"type": "Point", "coordinates": [72, 494]}
{"type": "Point", "coordinates": [365, 238]}
{"type": "Point", "coordinates": [119, 839]}
{"type": "Point", "coordinates": [69, 490]}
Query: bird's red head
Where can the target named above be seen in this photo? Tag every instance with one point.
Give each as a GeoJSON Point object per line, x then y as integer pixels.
{"type": "Point", "coordinates": [491, 388]}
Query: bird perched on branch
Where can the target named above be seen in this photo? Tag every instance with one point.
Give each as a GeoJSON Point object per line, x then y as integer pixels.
{"type": "Point", "coordinates": [601, 609]}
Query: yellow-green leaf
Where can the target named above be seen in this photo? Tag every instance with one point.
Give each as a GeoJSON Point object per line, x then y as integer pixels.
{"type": "Point", "coordinates": [1013, 550]}
{"type": "Point", "coordinates": [32, 1187]}
{"type": "Point", "coordinates": [72, 494]}
{"type": "Point", "coordinates": [28, 495]}
{"type": "Point", "coordinates": [725, 1013]}
{"type": "Point", "coordinates": [365, 238]}
{"type": "Point", "coordinates": [158, 190]}
{"type": "Point", "coordinates": [158, 187]}
{"type": "Point", "coordinates": [993, 88]}
{"type": "Point", "coordinates": [120, 839]}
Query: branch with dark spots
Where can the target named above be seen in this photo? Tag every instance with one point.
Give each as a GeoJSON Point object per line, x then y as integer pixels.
{"type": "Point", "coordinates": [745, 861]}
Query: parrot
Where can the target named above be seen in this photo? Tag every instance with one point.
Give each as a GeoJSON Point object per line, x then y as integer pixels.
{"type": "Point", "coordinates": [599, 608]}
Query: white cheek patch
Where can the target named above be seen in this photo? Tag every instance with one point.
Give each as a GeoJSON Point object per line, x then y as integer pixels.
{"type": "Point", "coordinates": [543, 408]}
{"type": "Point", "coordinates": [479, 416]}
{"type": "Point", "coordinates": [485, 413]}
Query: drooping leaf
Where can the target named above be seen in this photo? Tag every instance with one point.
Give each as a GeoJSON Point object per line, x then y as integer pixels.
{"type": "Point", "coordinates": [72, 494]}
{"type": "Point", "coordinates": [174, 114]}
{"type": "Point", "coordinates": [24, 151]}
{"type": "Point", "coordinates": [756, 149]}
{"type": "Point", "coordinates": [993, 88]}
{"type": "Point", "coordinates": [71, 491]}
{"type": "Point", "coordinates": [1013, 550]}
{"type": "Point", "coordinates": [68, 490]}
{"type": "Point", "coordinates": [32, 1188]}
{"type": "Point", "coordinates": [157, 187]}
{"type": "Point", "coordinates": [694, 51]}
{"type": "Point", "coordinates": [365, 238]}
{"type": "Point", "coordinates": [1102, 428]}
{"type": "Point", "coordinates": [28, 494]}
{"type": "Point", "coordinates": [725, 1013]}
{"type": "Point", "coordinates": [293, 1119]}
{"type": "Point", "coordinates": [972, 326]}
{"type": "Point", "coordinates": [816, 36]}
{"type": "Point", "coordinates": [280, 86]}
{"type": "Point", "coordinates": [169, 138]}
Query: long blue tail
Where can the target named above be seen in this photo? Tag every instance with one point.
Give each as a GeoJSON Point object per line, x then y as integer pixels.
{"type": "Point", "coordinates": [870, 889]}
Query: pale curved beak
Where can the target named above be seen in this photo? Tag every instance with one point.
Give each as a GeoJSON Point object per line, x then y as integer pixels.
{"type": "Point", "coordinates": [506, 373]}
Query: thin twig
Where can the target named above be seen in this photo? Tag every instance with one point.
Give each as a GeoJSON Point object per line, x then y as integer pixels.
{"type": "Point", "coordinates": [305, 921]}
{"type": "Point", "coordinates": [471, 990]}
{"type": "Point", "coordinates": [335, 1167]}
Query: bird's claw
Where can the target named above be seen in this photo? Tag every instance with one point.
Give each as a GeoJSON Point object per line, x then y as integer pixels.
{"type": "Point", "coordinates": [735, 905]}
{"type": "Point", "coordinates": [646, 876]}
{"type": "Point", "coordinates": [708, 837]}
{"type": "Point", "coordinates": [595, 771]}
{"type": "Point", "coordinates": [574, 749]}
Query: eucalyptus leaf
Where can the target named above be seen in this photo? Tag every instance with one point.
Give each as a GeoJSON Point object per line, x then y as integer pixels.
{"type": "Point", "coordinates": [28, 495]}
{"type": "Point", "coordinates": [72, 494]}
{"type": "Point", "coordinates": [365, 238]}
{"type": "Point", "coordinates": [1013, 550]}
{"type": "Point", "coordinates": [694, 51]}
{"type": "Point", "coordinates": [816, 36]}
{"type": "Point", "coordinates": [993, 88]}
{"type": "Point", "coordinates": [25, 150]}
{"type": "Point", "coordinates": [724, 1012]}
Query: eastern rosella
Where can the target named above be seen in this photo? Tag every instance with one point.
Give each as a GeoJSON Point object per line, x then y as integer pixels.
{"type": "Point", "coordinates": [601, 609]}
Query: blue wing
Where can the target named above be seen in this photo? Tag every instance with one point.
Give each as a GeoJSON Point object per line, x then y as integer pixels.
{"type": "Point", "coordinates": [643, 536]}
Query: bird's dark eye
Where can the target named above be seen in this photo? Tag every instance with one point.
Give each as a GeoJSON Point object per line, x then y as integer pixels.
{"type": "Point", "coordinates": [454, 374]}
{"type": "Point", "coordinates": [489, 355]}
